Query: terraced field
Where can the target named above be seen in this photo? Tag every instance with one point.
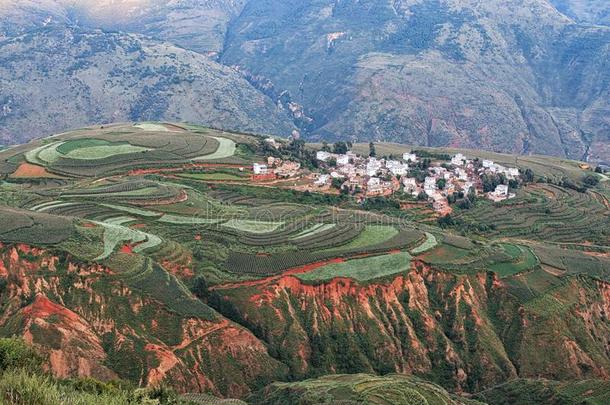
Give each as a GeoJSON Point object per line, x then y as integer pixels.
{"type": "Point", "coordinates": [337, 241]}
{"type": "Point", "coordinates": [165, 212]}
{"type": "Point", "coordinates": [116, 232]}
{"type": "Point", "coordinates": [365, 269]}
{"type": "Point", "coordinates": [17, 225]}
{"type": "Point", "coordinates": [226, 148]}
{"type": "Point", "coordinates": [117, 149]}
{"type": "Point", "coordinates": [359, 388]}
{"type": "Point", "coordinates": [548, 213]}
{"type": "Point", "coordinates": [521, 259]}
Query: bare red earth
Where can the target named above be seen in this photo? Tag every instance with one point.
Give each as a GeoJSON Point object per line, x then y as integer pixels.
{"type": "Point", "coordinates": [126, 249]}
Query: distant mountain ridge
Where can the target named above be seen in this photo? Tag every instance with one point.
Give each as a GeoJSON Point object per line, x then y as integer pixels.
{"type": "Point", "coordinates": [589, 11]}
{"type": "Point", "coordinates": [523, 79]}
{"type": "Point", "coordinates": [105, 76]}
{"type": "Point", "coordinates": [519, 77]}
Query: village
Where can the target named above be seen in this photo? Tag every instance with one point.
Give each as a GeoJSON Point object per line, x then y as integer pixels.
{"type": "Point", "coordinates": [436, 181]}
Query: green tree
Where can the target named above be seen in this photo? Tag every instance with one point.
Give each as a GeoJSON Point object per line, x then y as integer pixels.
{"type": "Point", "coordinates": [16, 354]}
{"type": "Point", "coordinates": [340, 148]}
{"type": "Point", "coordinates": [372, 151]}
{"type": "Point", "coordinates": [590, 180]}
{"type": "Point", "coordinates": [528, 175]}
{"type": "Point", "coordinates": [337, 183]}
{"type": "Point", "coordinates": [446, 221]}
{"type": "Point", "coordinates": [441, 183]}
{"type": "Point", "coordinates": [200, 287]}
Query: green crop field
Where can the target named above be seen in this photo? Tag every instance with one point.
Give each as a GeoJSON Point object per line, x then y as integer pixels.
{"type": "Point", "coordinates": [445, 254]}
{"type": "Point", "coordinates": [213, 176]}
{"type": "Point", "coordinates": [372, 235]}
{"type": "Point", "coordinates": [252, 226]}
{"type": "Point", "coordinates": [428, 244]}
{"type": "Point", "coordinates": [115, 232]}
{"type": "Point", "coordinates": [104, 151]}
{"type": "Point", "coordinates": [226, 148]}
{"type": "Point", "coordinates": [521, 259]}
{"type": "Point", "coordinates": [365, 269]}
{"type": "Point", "coordinates": [25, 226]}
{"type": "Point", "coordinates": [313, 230]}
{"type": "Point", "coordinates": [149, 126]}
{"type": "Point", "coordinates": [182, 220]}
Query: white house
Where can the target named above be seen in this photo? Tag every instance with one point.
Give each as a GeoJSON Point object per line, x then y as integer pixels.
{"type": "Point", "coordinates": [487, 163]}
{"type": "Point", "coordinates": [342, 160]}
{"type": "Point", "coordinates": [372, 167]}
{"type": "Point", "coordinates": [461, 173]}
{"type": "Point", "coordinates": [397, 168]}
{"type": "Point", "coordinates": [259, 169]}
{"type": "Point", "coordinates": [501, 190]}
{"type": "Point", "coordinates": [323, 156]}
{"type": "Point", "coordinates": [322, 180]}
{"type": "Point", "coordinates": [430, 185]}
{"type": "Point", "coordinates": [513, 172]}
{"type": "Point", "coordinates": [458, 160]}
{"type": "Point", "coordinates": [409, 157]}
{"type": "Point", "coordinates": [467, 186]}
{"type": "Point", "coordinates": [410, 184]}
{"type": "Point", "coordinates": [373, 181]}
{"type": "Point", "coordinates": [438, 170]}
{"type": "Point", "coordinates": [272, 142]}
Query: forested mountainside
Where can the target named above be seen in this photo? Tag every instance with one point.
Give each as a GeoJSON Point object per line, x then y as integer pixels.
{"type": "Point", "coordinates": [514, 76]}
{"type": "Point", "coordinates": [152, 253]}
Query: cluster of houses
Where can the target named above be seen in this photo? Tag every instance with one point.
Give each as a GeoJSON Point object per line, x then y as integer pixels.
{"type": "Point", "coordinates": [382, 177]}
{"type": "Point", "coordinates": [275, 169]}
{"type": "Point", "coordinates": [373, 177]}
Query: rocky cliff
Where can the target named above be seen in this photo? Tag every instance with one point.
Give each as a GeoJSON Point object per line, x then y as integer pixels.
{"type": "Point", "coordinates": [466, 332]}
{"type": "Point", "coordinates": [90, 323]}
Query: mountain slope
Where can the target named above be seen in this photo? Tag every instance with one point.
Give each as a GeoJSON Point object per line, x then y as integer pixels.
{"type": "Point", "coordinates": [358, 389]}
{"type": "Point", "coordinates": [590, 11]}
{"type": "Point", "coordinates": [150, 252]}
{"type": "Point", "coordinates": [92, 322]}
{"type": "Point", "coordinates": [500, 75]}
{"type": "Point", "coordinates": [193, 24]}
{"type": "Point", "coordinates": [463, 332]}
{"type": "Point", "coordinates": [59, 77]}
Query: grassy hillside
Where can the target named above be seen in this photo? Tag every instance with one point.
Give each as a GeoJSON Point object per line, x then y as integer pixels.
{"type": "Point", "coordinates": [523, 391]}
{"type": "Point", "coordinates": [148, 252]}
{"type": "Point", "coordinates": [356, 389]}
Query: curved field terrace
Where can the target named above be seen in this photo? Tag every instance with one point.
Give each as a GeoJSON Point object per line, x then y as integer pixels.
{"type": "Point", "coordinates": [177, 260]}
